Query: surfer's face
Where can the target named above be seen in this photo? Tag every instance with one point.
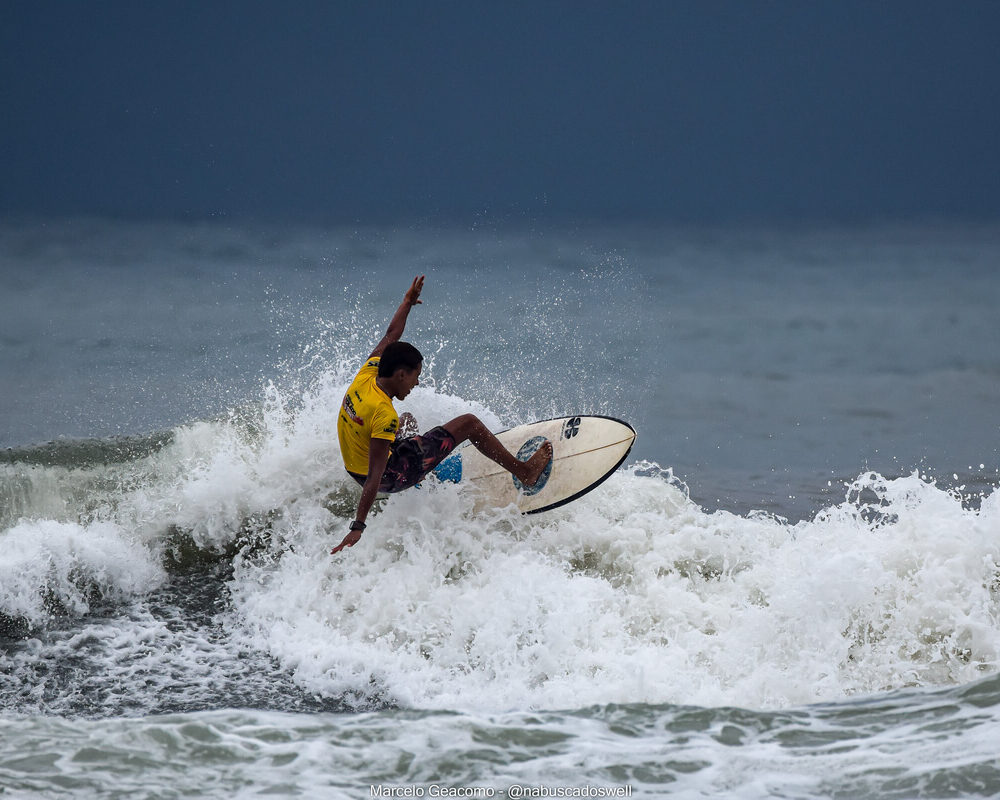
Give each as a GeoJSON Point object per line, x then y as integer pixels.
{"type": "Point", "coordinates": [408, 378]}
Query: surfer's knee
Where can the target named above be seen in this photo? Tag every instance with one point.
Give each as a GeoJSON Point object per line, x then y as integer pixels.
{"type": "Point", "coordinates": [465, 427]}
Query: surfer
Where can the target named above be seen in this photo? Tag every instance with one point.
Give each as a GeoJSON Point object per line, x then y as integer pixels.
{"type": "Point", "coordinates": [375, 450]}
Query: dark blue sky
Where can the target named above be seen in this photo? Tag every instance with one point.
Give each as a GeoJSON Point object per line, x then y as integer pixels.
{"type": "Point", "coordinates": [708, 110]}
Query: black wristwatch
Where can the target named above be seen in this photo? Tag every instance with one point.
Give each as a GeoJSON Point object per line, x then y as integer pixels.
{"type": "Point", "coordinates": [358, 526]}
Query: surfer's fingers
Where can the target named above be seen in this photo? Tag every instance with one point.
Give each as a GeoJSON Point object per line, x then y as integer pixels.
{"type": "Point", "coordinates": [413, 293]}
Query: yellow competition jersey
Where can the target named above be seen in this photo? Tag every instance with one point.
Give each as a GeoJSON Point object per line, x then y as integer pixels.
{"type": "Point", "coordinates": [366, 414]}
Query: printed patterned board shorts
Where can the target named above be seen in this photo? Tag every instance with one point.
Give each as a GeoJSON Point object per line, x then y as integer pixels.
{"type": "Point", "coordinates": [412, 458]}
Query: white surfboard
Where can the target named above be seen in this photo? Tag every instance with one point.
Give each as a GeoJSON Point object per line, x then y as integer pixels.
{"type": "Point", "coordinates": [586, 450]}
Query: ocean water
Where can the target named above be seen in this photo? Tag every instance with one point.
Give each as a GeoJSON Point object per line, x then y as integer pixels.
{"type": "Point", "coordinates": [790, 589]}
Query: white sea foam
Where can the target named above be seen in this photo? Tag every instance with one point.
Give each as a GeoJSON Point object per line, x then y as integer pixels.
{"type": "Point", "coordinates": [632, 594]}
{"type": "Point", "coordinates": [59, 567]}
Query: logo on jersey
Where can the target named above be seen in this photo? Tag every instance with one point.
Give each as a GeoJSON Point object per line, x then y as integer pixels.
{"type": "Point", "coordinates": [349, 410]}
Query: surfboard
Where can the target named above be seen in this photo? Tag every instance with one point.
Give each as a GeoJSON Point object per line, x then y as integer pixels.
{"type": "Point", "coordinates": [586, 450]}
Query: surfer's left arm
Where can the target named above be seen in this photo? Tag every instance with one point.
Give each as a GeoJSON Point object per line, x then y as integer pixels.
{"type": "Point", "coordinates": [398, 322]}
{"type": "Point", "coordinates": [378, 457]}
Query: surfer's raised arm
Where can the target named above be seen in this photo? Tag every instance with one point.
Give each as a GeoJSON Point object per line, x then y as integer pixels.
{"type": "Point", "coordinates": [398, 322]}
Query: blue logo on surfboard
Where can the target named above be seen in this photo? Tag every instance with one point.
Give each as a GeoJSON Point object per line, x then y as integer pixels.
{"type": "Point", "coordinates": [527, 450]}
{"type": "Point", "coordinates": [450, 469]}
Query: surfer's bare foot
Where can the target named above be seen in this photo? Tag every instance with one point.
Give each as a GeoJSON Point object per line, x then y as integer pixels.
{"type": "Point", "coordinates": [535, 465]}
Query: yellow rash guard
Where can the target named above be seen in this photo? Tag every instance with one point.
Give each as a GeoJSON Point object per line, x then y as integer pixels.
{"type": "Point", "coordinates": [365, 414]}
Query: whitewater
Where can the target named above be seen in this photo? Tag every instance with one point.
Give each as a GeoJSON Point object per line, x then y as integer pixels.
{"type": "Point", "coordinates": [791, 590]}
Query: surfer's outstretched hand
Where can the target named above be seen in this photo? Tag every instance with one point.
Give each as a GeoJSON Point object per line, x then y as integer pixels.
{"type": "Point", "coordinates": [350, 540]}
{"type": "Point", "coordinates": [413, 293]}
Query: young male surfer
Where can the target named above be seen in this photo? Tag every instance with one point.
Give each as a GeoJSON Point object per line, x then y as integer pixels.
{"type": "Point", "coordinates": [374, 452]}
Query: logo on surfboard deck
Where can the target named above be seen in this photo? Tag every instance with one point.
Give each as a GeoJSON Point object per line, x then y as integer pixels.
{"type": "Point", "coordinates": [528, 449]}
{"type": "Point", "coordinates": [571, 428]}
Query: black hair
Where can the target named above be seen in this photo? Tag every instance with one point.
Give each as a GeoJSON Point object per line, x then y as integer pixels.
{"type": "Point", "coordinates": [396, 355]}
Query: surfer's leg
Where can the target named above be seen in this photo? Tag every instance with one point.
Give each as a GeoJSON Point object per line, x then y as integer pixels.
{"type": "Point", "coordinates": [469, 426]}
